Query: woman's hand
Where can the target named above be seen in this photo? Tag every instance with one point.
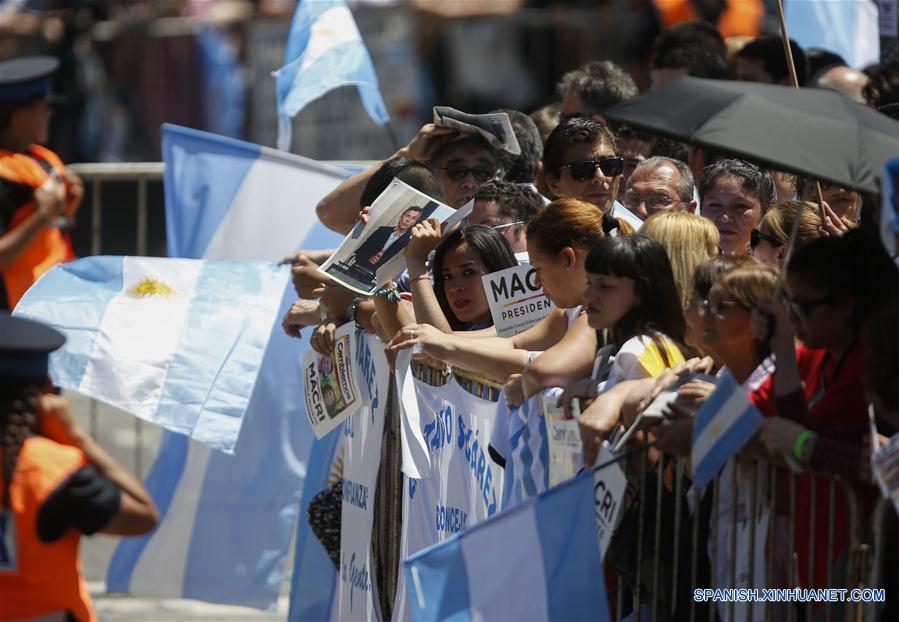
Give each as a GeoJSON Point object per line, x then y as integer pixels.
{"type": "Point", "coordinates": [694, 394]}
{"type": "Point", "coordinates": [322, 339]}
{"type": "Point", "coordinates": [779, 435]}
{"type": "Point", "coordinates": [423, 144]}
{"type": "Point", "coordinates": [302, 313]}
{"type": "Point", "coordinates": [833, 225]}
{"type": "Point", "coordinates": [425, 238]}
{"type": "Point", "coordinates": [674, 436]}
{"type": "Point", "coordinates": [514, 389]}
{"type": "Point", "coordinates": [766, 315]}
{"type": "Point", "coordinates": [596, 424]}
{"type": "Point", "coordinates": [433, 342]}
{"type": "Point", "coordinates": [584, 388]}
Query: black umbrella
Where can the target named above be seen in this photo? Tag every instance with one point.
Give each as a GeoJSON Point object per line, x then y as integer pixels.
{"type": "Point", "coordinates": [814, 132]}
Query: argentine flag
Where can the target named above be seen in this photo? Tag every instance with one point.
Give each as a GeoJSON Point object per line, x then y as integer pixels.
{"type": "Point", "coordinates": [848, 27]}
{"type": "Point", "coordinates": [177, 342]}
{"type": "Point", "coordinates": [537, 561]}
{"type": "Point", "coordinates": [227, 520]}
{"type": "Point", "coordinates": [324, 51]}
{"type": "Point", "coordinates": [723, 425]}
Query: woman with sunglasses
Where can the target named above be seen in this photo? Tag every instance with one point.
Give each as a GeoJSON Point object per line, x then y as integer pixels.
{"type": "Point", "coordinates": [769, 241]}
{"type": "Point", "coordinates": [832, 286]}
{"type": "Point", "coordinates": [582, 161]}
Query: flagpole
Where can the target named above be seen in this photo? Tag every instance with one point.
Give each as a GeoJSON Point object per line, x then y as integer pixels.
{"type": "Point", "coordinates": [623, 456]}
{"type": "Point", "coordinates": [795, 80]}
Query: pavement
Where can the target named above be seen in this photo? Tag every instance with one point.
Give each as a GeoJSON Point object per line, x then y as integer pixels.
{"type": "Point", "coordinates": [134, 444]}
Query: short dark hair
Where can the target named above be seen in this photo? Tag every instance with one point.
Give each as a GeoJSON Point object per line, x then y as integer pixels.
{"type": "Point", "coordinates": [820, 60]}
{"type": "Point", "coordinates": [670, 148]}
{"type": "Point", "coordinates": [684, 187]}
{"type": "Point", "coordinates": [462, 139]}
{"type": "Point", "coordinates": [517, 202]}
{"type": "Point", "coordinates": [599, 85]}
{"type": "Point", "coordinates": [756, 181]}
{"type": "Point", "coordinates": [883, 84]}
{"type": "Point", "coordinates": [770, 50]}
{"type": "Point", "coordinates": [414, 208]}
{"type": "Point", "coordinates": [573, 132]}
{"type": "Point", "coordinates": [522, 168]}
{"type": "Point", "coordinates": [491, 247]}
{"type": "Point", "coordinates": [416, 174]}
{"type": "Point", "coordinates": [643, 259]}
{"type": "Point", "coordinates": [694, 46]}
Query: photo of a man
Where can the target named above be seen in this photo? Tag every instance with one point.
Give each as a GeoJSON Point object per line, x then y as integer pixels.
{"type": "Point", "coordinates": [382, 243]}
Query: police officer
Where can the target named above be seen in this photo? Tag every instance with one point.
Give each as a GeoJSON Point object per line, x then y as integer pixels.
{"type": "Point", "coordinates": [57, 484]}
{"type": "Point", "coordinates": [38, 196]}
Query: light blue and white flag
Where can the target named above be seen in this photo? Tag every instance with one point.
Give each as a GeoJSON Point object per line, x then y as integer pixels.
{"type": "Point", "coordinates": [848, 27]}
{"type": "Point", "coordinates": [537, 561]}
{"type": "Point", "coordinates": [227, 520]}
{"type": "Point", "coordinates": [177, 342]}
{"type": "Point", "coordinates": [324, 51]}
{"type": "Point", "coordinates": [723, 425]}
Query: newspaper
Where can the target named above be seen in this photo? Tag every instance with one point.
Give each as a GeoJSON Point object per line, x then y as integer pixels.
{"type": "Point", "coordinates": [564, 440]}
{"type": "Point", "coordinates": [372, 253]}
{"type": "Point", "coordinates": [331, 388]}
{"type": "Point", "coordinates": [495, 127]}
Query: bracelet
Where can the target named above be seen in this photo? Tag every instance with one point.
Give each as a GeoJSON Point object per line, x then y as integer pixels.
{"type": "Point", "coordinates": [799, 446]}
{"type": "Point", "coordinates": [420, 277]}
{"type": "Point", "coordinates": [352, 309]}
{"type": "Point", "coordinates": [389, 293]}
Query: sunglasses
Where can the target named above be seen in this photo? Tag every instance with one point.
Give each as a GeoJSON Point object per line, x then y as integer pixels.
{"type": "Point", "coordinates": [756, 236]}
{"type": "Point", "coordinates": [458, 172]}
{"type": "Point", "coordinates": [582, 170]}
{"type": "Point", "coordinates": [803, 309]}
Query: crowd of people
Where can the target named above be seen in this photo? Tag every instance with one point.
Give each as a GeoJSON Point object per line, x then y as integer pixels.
{"type": "Point", "coordinates": [665, 262]}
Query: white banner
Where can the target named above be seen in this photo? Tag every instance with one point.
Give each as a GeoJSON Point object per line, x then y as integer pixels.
{"type": "Point", "coordinates": [516, 303]}
{"type": "Point", "coordinates": [462, 487]}
{"type": "Point", "coordinates": [357, 597]}
{"type": "Point", "coordinates": [331, 388]}
{"type": "Point", "coordinates": [609, 486]}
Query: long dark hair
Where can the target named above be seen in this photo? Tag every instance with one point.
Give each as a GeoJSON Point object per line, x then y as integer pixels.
{"type": "Point", "coordinates": [854, 264]}
{"type": "Point", "coordinates": [658, 307]}
{"type": "Point", "coordinates": [18, 420]}
{"type": "Point", "coordinates": [491, 247]}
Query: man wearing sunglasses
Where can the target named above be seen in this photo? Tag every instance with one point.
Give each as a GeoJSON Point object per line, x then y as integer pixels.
{"type": "Point", "coordinates": [463, 163]}
{"type": "Point", "coordinates": [659, 184]}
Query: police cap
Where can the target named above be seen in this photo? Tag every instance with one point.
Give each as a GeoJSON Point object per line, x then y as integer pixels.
{"type": "Point", "coordinates": [27, 77]}
{"type": "Point", "coordinates": [25, 346]}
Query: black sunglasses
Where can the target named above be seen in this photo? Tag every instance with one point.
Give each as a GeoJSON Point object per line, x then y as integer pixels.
{"type": "Point", "coordinates": [458, 172]}
{"type": "Point", "coordinates": [583, 170]}
{"type": "Point", "coordinates": [803, 309]}
{"type": "Point", "coordinates": [756, 236]}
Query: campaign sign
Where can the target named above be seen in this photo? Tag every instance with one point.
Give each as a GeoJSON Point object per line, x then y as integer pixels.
{"type": "Point", "coordinates": [609, 485]}
{"type": "Point", "coordinates": [516, 303]}
{"type": "Point", "coordinates": [331, 389]}
{"type": "Point", "coordinates": [564, 441]}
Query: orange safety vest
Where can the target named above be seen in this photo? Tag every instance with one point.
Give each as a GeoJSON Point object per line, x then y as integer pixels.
{"type": "Point", "coordinates": [740, 17]}
{"type": "Point", "coordinates": [51, 246]}
{"type": "Point", "coordinates": [39, 578]}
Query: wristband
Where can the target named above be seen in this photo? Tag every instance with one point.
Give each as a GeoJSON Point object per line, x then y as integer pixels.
{"type": "Point", "coordinates": [353, 309]}
{"type": "Point", "coordinates": [799, 445]}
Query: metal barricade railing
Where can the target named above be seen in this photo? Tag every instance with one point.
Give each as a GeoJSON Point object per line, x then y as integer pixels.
{"type": "Point", "coordinates": [756, 503]}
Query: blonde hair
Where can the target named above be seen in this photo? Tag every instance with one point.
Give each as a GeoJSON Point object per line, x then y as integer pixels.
{"type": "Point", "coordinates": [688, 240]}
{"type": "Point", "coordinates": [781, 217]}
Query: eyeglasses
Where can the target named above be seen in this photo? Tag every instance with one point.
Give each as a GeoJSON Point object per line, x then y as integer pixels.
{"type": "Point", "coordinates": [707, 307]}
{"type": "Point", "coordinates": [658, 202]}
{"type": "Point", "coordinates": [458, 172]}
{"type": "Point", "coordinates": [583, 170]}
{"type": "Point", "coordinates": [756, 236]}
{"type": "Point", "coordinates": [803, 309]}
